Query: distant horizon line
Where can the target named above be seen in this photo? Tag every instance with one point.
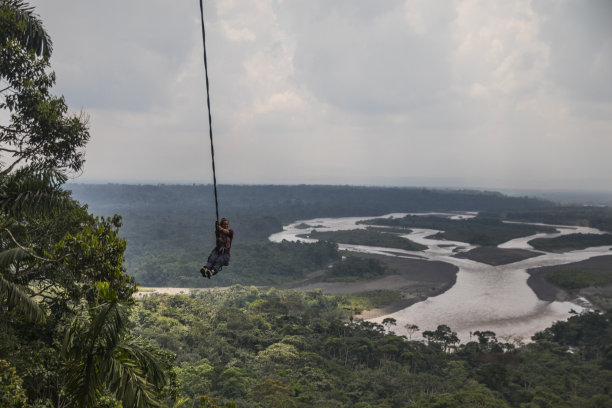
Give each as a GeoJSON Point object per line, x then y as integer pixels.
{"type": "Point", "coordinates": [431, 187]}
{"type": "Point", "coordinates": [504, 190]}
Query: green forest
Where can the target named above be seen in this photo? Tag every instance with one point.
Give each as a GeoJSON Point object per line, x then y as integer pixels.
{"type": "Point", "coordinates": [480, 230]}
{"type": "Point", "coordinates": [72, 333]}
{"type": "Point", "coordinates": [571, 241]}
{"type": "Point", "coordinates": [586, 216]}
{"type": "Point", "coordinates": [298, 349]}
{"type": "Point", "coordinates": [366, 237]}
{"type": "Point", "coordinates": [169, 228]}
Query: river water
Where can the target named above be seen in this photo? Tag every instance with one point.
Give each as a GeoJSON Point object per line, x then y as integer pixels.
{"type": "Point", "coordinates": [484, 297]}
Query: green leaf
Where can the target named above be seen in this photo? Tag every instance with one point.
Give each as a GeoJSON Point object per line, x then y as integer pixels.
{"type": "Point", "coordinates": [17, 297]}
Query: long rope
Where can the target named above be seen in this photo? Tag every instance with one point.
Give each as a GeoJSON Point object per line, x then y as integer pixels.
{"type": "Point", "coordinates": [212, 148]}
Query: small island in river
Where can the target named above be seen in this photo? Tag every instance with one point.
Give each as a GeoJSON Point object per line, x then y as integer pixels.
{"type": "Point", "coordinates": [591, 279]}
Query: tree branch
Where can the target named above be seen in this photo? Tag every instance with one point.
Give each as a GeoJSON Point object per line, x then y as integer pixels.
{"type": "Point", "coordinates": [26, 250]}
{"type": "Point", "coordinates": [43, 290]}
{"type": "Point", "coordinates": [8, 129]}
{"type": "Point", "coordinates": [11, 167]}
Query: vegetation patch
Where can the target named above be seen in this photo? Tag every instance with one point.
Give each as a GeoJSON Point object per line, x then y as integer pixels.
{"type": "Point", "coordinates": [497, 256]}
{"type": "Point", "coordinates": [394, 230]}
{"type": "Point", "coordinates": [303, 225]}
{"type": "Point", "coordinates": [296, 349]}
{"type": "Point", "coordinates": [483, 231]}
{"type": "Point", "coordinates": [571, 242]}
{"type": "Point", "coordinates": [357, 302]}
{"type": "Point", "coordinates": [170, 227]}
{"type": "Point", "coordinates": [366, 237]}
{"type": "Point", "coordinates": [354, 269]}
{"type": "Point", "coordinates": [578, 279]}
{"type": "Point", "coordinates": [595, 217]}
{"type": "Point", "coordinates": [261, 264]}
{"type": "Point", "coordinates": [590, 278]}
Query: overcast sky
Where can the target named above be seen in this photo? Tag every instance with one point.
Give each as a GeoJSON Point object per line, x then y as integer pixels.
{"type": "Point", "coordinates": [466, 93]}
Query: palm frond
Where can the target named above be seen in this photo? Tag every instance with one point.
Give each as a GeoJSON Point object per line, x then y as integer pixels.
{"type": "Point", "coordinates": [34, 35]}
{"type": "Point", "coordinates": [33, 190]}
{"type": "Point", "coordinates": [181, 402]}
{"type": "Point", "coordinates": [100, 355]}
{"type": "Point", "coordinates": [147, 357]}
{"type": "Point", "coordinates": [127, 379]}
{"type": "Point", "coordinates": [109, 322]}
{"type": "Point", "coordinates": [82, 348]}
{"type": "Point", "coordinates": [75, 338]}
{"type": "Point", "coordinates": [10, 256]}
{"type": "Point", "coordinates": [17, 297]}
{"type": "Point", "coordinates": [83, 383]}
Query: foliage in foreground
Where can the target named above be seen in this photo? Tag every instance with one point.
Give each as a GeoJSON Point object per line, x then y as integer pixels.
{"type": "Point", "coordinates": [285, 348]}
{"type": "Point", "coordinates": [61, 269]}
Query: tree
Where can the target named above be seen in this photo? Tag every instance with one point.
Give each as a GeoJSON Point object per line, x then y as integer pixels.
{"type": "Point", "coordinates": [273, 393]}
{"type": "Point", "coordinates": [102, 355]}
{"type": "Point", "coordinates": [388, 322]}
{"type": "Point", "coordinates": [472, 395]}
{"type": "Point", "coordinates": [486, 338]}
{"type": "Point", "coordinates": [40, 136]}
{"type": "Point", "coordinates": [59, 265]}
{"type": "Point", "coordinates": [11, 391]}
{"type": "Point", "coordinates": [411, 329]}
{"type": "Point", "coordinates": [442, 336]}
{"type": "Point", "coordinates": [23, 196]}
{"type": "Point", "coordinates": [52, 248]}
{"type": "Point", "coordinates": [40, 130]}
{"type": "Point", "coordinates": [19, 22]}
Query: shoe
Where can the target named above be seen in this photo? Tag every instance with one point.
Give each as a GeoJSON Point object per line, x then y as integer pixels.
{"type": "Point", "coordinates": [208, 274]}
{"type": "Point", "coordinates": [203, 272]}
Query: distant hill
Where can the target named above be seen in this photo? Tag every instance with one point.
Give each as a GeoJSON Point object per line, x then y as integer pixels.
{"type": "Point", "coordinates": [289, 203]}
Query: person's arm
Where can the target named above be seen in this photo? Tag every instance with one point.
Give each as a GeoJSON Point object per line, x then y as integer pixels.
{"type": "Point", "coordinates": [220, 229]}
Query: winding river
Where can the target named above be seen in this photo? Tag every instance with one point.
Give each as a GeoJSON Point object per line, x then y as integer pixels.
{"type": "Point", "coordinates": [484, 297]}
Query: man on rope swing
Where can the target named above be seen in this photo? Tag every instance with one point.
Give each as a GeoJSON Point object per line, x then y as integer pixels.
{"type": "Point", "coordinates": [220, 255]}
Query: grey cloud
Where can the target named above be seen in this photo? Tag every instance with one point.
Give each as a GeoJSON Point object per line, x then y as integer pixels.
{"type": "Point", "coordinates": [580, 38]}
{"type": "Point", "coordinates": [472, 93]}
{"type": "Point", "coordinates": [116, 52]}
{"type": "Point", "coordinates": [364, 56]}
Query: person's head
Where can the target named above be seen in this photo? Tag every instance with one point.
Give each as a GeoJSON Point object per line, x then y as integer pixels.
{"type": "Point", "coordinates": [224, 223]}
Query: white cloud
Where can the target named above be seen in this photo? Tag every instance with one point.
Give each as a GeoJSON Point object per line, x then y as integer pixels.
{"type": "Point", "coordinates": [474, 92]}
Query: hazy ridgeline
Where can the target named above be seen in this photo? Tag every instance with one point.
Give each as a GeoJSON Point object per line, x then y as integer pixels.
{"type": "Point", "coordinates": [288, 203]}
{"type": "Point", "coordinates": [169, 228]}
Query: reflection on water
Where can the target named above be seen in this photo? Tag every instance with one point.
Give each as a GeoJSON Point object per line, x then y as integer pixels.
{"type": "Point", "coordinates": [484, 297]}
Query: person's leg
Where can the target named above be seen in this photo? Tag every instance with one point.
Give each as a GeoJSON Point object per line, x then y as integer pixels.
{"type": "Point", "coordinates": [212, 259]}
{"type": "Point", "coordinates": [216, 268]}
{"type": "Point", "coordinates": [222, 259]}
